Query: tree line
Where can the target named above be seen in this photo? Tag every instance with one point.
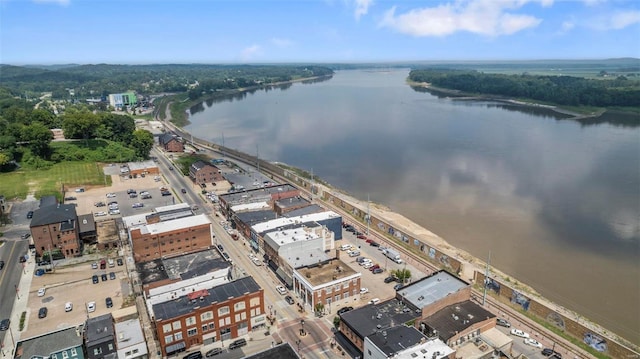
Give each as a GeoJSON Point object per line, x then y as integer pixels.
{"type": "Point", "coordinates": [560, 90]}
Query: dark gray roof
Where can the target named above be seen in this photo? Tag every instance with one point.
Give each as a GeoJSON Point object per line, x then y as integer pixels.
{"type": "Point", "coordinates": [431, 289]}
{"type": "Point", "coordinates": [47, 201]}
{"type": "Point", "coordinates": [46, 344]}
{"type": "Point", "coordinates": [86, 223]}
{"type": "Point", "coordinates": [366, 320]}
{"type": "Point", "coordinates": [255, 195]}
{"type": "Point", "coordinates": [252, 217]}
{"type": "Point", "coordinates": [184, 266]}
{"type": "Point", "coordinates": [396, 339]}
{"type": "Point", "coordinates": [219, 294]}
{"type": "Point", "coordinates": [198, 165]}
{"type": "Point", "coordinates": [314, 208]}
{"type": "Point", "coordinates": [165, 138]}
{"type": "Point", "coordinates": [282, 351]}
{"type": "Point", "coordinates": [54, 214]}
{"type": "Point", "coordinates": [99, 330]}
{"type": "Point", "coordinates": [456, 318]}
{"type": "Point", "coordinates": [292, 202]}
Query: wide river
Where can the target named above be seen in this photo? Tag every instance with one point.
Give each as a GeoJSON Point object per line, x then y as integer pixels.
{"type": "Point", "coordinates": [556, 202]}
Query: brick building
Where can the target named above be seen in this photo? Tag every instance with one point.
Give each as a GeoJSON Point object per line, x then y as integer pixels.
{"type": "Point", "coordinates": [55, 228]}
{"type": "Point", "coordinates": [170, 238]}
{"type": "Point", "coordinates": [171, 143]}
{"type": "Point", "coordinates": [208, 315]}
{"type": "Point", "coordinates": [202, 173]}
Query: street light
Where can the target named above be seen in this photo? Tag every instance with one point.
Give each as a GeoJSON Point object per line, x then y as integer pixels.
{"type": "Point", "coordinates": [302, 324]}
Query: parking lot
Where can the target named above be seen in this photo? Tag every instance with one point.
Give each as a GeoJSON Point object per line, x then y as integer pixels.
{"type": "Point", "coordinates": [72, 284]}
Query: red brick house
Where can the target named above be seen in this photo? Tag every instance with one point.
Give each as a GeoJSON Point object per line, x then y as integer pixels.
{"type": "Point", "coordinates": [201, 173]}
{"type": "Point", "coordinates": [55, 228]}
{"type": "Point", "coordinates": [170, 143]}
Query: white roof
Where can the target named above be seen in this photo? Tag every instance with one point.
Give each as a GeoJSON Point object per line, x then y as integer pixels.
{"type": "Point", "coordinates": [180, 223]}
{"type": "Point", "coordinates": [426, 350]}
{"type": "Point", "coordinates": [129, 332]}
{"type": "Point", "coordinates": [250, 206]}
{"type": "Point", "coordinates": [172, 207]}
{"type": "Point", "coordinates": [280, 222]}
{"type": "Point", "coordinates": [288, 236]}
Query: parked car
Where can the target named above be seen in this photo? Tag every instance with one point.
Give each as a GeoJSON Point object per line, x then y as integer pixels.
{"type": "Point", "coordinates": [25, 236]}
{"type": "Point", "coordinates": [390, 279]}
{"type": "Point", "coordinates": [361, 236]}
{"type": "Point", "coordinates": [95, 279]}
{"type": "Point", "coordinates": [130, 191]}
{"type": "Point", "coordinates": [213, 352]}
{"type": "Point", "coordinates": [378, 270]}
{"type": "Point", "coordinates": [364, 290]}
{"type": "Point", "coordinates": [4, 324]}
{"type": "Point", "coordinates": [41, 292]}
{"type": "Point", "coordinates": [532, 342]}
{"type": "Point", "coordinates": [548, 352]}
{"type": "Point", "coordinates": [111, 262]}
{"type": "Point", "coordinates": [374, 244]}
{"type": "Point", "coordinates": [112, 275]}
{"type": "Point", "coordinates": [109, 302]}
{"type": "Point", "coordinates": [114, 211]}
{"type": "Point", "coordinates": [104, 277]}
{"type": "Point", "coordinates": [22, 259]}
{"type": "Point", "coordinates": [374, 301]}
{"type": "Point", "coordinates": [91, 307]}
{"type": "Point", "coordinates": [42, 313]}
{"type": "Point", "coordinates": [282, 290]}
{"type": "Point", "coordinates": [119, 261]}
{"type": "Point", "coordinates": [220, 248]}
{"type": "Point", "coordinates": [503, 323]}
{"type": "Point", "coordinates": [137, 205]}
{"type": "Point", "coordinates": [100, 213]}
{"type": "Point", "coordinates": [237, 343]}
{"type": "Point", "coordinates": [30, 214]}
{"type": "Point", "coordinates": [289, 299]}
{"type": "Point", "coordinates": [519, 333]}
{"type": "Point", "coordinates": [1, 264]}
{"type": "Point", "coordinates": [94, 265]}
{"type": "Point", "coordinates": [68, 307]}
{"type": "Point", "coordinates": [344, 310]}
{"type": "Point", "coordinates": [397, 286]}
{"type": "Point", "coordinates": [374, 267]}
{"type": "Point", "coordinates": [111, 195]}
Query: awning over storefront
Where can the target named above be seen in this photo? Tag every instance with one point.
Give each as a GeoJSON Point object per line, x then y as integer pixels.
{"type": "Point", "coordinates": [173, 348]}
{"type": "Point", "coordinates": [285, 277]}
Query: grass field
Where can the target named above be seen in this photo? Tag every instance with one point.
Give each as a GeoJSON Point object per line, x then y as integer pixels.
{"type": "Point", "coordinates": [50, 181]}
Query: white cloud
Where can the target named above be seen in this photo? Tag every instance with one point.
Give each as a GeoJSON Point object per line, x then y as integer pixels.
{"type": "Point", "coordinates": [250, 52]}
{"type": "Point", "coordinates": [59, 2]}
{"type": "Point", "coordinates": [362, 8]}
{"type": "Point", "coordinates": [567, 26]}
{"type": "Point", "coordinates": [281, 42]}
{"type": "Point", "coordinates": [620, 20]}
{"type": "Point", "coordinates": [484, 17]}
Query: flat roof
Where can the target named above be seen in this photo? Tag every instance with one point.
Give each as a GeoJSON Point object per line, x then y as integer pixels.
{"type": "Point", "coordinates": [432, 288]}
{"type": "Point", "coordinates": [253, 206]}
{"type": "Point", "coordinates": [324, 272]}
{"type": "Point", "coordinates": [284, 221]}
{"type": "Point", "coordinates": [86, 223]}
{"type": "Point", "coordinates": [396, 339]}
{"type": "Point", "coordinates": [366, 320]}
{"type": "Point", "coordinates": [289, 236]}
{"type": "Point", "coordinates": [219, 294]}
{"type": "Point", "coordinates": [172, 225]}
{"type": "Point", "coordinates": [128, 332]}
{"type": "Point", "coordinates": [253, 195]}
{"type": "Point", "coordinates": [181, 267]}
{"type": "Point", "coordinates": [141, 165]}
{"type": "Point", "coordinates": [99, 329]}
{"type": "Point", "coordinates": [256, 216]}
{"type": "Point", "coordinates": [455, 318]}
{"type": "Point", "coordinates": [431, 349]}
{"type": "Point", "coordinates": [303, 256]}
{"type": "Point", "coordinates": [310, 209]}
{"type": "Point", "coordinates": [292, 202]}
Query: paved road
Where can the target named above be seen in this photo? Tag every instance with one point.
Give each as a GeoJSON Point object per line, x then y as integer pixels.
{"type": "Point", "coordinates": [9, 281]}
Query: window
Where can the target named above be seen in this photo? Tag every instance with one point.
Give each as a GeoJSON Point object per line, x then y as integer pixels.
{"type": "Point", "coordinates": [206, 316]}
{"type": "Point", "coordinates": [190, 321]}
{"type": "Point", "coordinates": [204, 328]}
{"type": "Point", "coordinates": [223, 311]}
{"type": "Point", "coordinates": [110, 346]}
{"type": "Point", "coordinates": [97, 351]}
{"type": "Point", "coordinates": [177, 336]}
{"type": "Point", "coordinates": [135, 351]}
{"type": "Point", "coordinates": [65, 355]}
{"type": "Point", "coordinates": [212, 326]}
{"type": "Point", "coordinates": [238, 306]}
{"type": "Point", "coordinates": [166, 328]}
{"type": "Point", "coordinates": [168, 338]}
{"type": "Point", "coordinates": [127, 354]}
{"type": "Point", "coordinates": [74, 352]}
{"type": "Point", "coordinates": [177, 325]}
{"type": "Point", "coordinates": [254, 302]}
{"type": "Point", "coordinates": [192, 331]}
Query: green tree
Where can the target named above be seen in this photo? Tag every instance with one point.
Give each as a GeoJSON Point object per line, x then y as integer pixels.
{"type": "Point", "coordinates": [4, 159]}
{"type": "Point", "coordinates": [142, 143]}
{"type": "Point", "coordinates": [403, 275]}
{"type": "Point", "coordinates": [80, 124]}
{"type": "Point", "coordinates": [47, 118]}
{"type": "Point", "coordinates": [38, 136]}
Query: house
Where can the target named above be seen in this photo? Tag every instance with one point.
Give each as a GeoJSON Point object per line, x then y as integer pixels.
{"type": "Point", "coordinates": [170, 143]}
{"type": "Point", "coordinates": [221, 313]}
{"type": "Point", "coordinates": [404, 342]}
{"type": "Point", "coordinates": [99, 338]}
{"type": "Point", "coordinates": [54, 228]}
{"type": "Point", "coordinates": [87, 228]}
{"type": "Point", "coordinates": [130, 340]}
{"type": "Point", "coordinates": [65, 343]}
{"type": "Point", "coordinates": [202, 173]}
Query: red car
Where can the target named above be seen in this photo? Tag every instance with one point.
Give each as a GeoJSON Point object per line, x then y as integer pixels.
{"type": "Point", "coordinates": [369, 240]}
{"type": "Point", "coordinates": [362, 236]}
{"type": "Point", "coordinates": [373, 267]}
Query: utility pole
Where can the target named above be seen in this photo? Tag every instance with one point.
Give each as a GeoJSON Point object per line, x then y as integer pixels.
{"type": "Point", "coordinates": [486, 280]}
{"type": "Point", "coordinates": [223, 146]}
{"type": "Point", "coordinates": [368, 219]}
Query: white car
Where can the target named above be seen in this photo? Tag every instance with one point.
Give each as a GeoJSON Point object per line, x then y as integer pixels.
{"type": "Point", "coordinates": [114, 211]}
{"type": "Point", "coordinates": [100, 214]}
{"type": "Point", "coordinates": [68, 307]}
{"type": "Point", "coordinates": [519, 333]}
{"type": "Point", "coordinates": [91, 307]}
{"type": "Point", "coordinates": [367, 265]}
{"type": "Point", "coordinates": [41, 292]}
{"type": "Point", "coordinates": [281, 289]}
{"type": "Point", "coordinates": [533, 343]}
{"type": "Point", "coordinates": [111, 195]}
{"type": "Point", "coordinates": [364, 290]}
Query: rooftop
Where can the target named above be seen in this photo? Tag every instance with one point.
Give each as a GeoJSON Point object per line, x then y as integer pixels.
{"type": "Point", "coordinates": [46, 344]}
{"type": "Point", "coordinates": [313, 208]}
{"type": "Point", "coordinates": [326, 271]}
{"type": "Point", "coordinates": [99, 329]}
{"type": "Point", "coordinates": [289, 236]}
{"type": "Point", "coordinates": [277, 223]}
{"type": "Point", "coordinates": [181, 267]}
{"type": "Point", "coordinates": [430, 349]}
{"type": "Point", "coordinates": [430, 289]}
{"type": "Point", "coordinates": [257, 216]}
{"type": "Point", "coordinates": [366, 320]}
{"type": "Point", "coordinates": [303, 256]}
{"type": "Point", "coordinates": [172, 225]}
{"type": "Point", "coordinates": [129, 332]}
{"type": "Point", "coordinates": [219, 294]}
{"type": "Point", "coordinates": [292, 202]}
{"type": "Point", "coordinates": [57, 213]}
{"type": "Point", "coordinates": [256, 195]}
{"type": "Point", "coordinates": [251, 207]}
{"type": "Point", "coordinates": [396, 339]}
{"type": "Point", "coordinates": [86, 223]}
{"type": "Point", "coordinates": [141, 165]}
{"type": "Point", "coordinates": [455, 318]}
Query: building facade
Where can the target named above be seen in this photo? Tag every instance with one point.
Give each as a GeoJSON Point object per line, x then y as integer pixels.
{"type": "Point", "coordinates": [99, 338]}
{"type": "Point", "coordinates": [170, 143]}
{"type": "Point", "coordinates": [54, 230]}
{"type": "Point", "coordinates": [216, 314]}
{"type": "Point", "coordinates": [130, 340]}
{"type": "Point", "coordinates": [122, 100]}
{"type": "Point", "coordinates": [202, 173]}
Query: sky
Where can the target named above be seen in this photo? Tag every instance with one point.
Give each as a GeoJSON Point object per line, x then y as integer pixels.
{"type": "Point", "coordinates": [286, 31]}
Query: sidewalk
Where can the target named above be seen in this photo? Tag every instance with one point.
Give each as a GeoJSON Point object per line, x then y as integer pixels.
{"type": "Point", "coordinates": [19, 305]}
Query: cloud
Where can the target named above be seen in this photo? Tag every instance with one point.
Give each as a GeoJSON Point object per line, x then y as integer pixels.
{"type": "Point", "coordinates": [250, 52]}
{"type": "Point", "coordinates": [281, 42]}
{"type": "Point", "coordinates": [59, 2]}
{"type": "Point", "coordinates": [622, 19]}
{"type": "Point", "coordinates": [362, 8]}
{"type": "Point", "coordinates": [567, 26]}
{"type": "Point", "coordinates": [484, 17]}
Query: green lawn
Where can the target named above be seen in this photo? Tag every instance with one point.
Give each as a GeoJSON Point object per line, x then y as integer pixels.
{"type": "Point", "coordinates": [49, 181]}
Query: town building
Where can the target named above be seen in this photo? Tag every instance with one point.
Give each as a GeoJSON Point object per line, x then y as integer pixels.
{"type": "Point", "coordinates": [143, 168]}
{"type": "Point", "coordinates": [54, 229]}
{"type": "Point", "coordinates": [120, 101]}
{"type": "Point", "coordinates": [202, 317]}
{"type": "Point", "coordinates": [458, 323]}
{"type": "Point", "coordinates": [87, 229]}
{"type": "Point", "coordinates": [171, 143]}
{"type": "Point", "coordinates": [404, 342]}
{"type": "Point", "coordinates": [65, 343]}
{"type": "Point", "coordinates": [265, 194]}
{"type": "Point", "coordinates": [99, 338]}
{"type": "Point", "coordinates": [202, 173]}
{"type": "Point", "coordinates": [325, 284]}
{"type": "Point", "coordinates": [130, 340]}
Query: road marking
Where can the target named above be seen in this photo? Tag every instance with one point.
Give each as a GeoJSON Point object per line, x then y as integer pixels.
{"type": "Point", "coordinates": [4, 271]}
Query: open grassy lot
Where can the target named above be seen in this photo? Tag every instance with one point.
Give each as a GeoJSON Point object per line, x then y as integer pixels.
{"type": "Point", "coordinates": [50, 181]}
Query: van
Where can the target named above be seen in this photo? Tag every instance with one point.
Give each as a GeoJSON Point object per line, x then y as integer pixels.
{"type": "Point", "coordinates": [237, 343]}
{"type": "Point", "coordinates": [354, 253]}
{"type": "Point", "coordinates": [374, 301]}
{"type": "Point", "coordinates": [345, 247]}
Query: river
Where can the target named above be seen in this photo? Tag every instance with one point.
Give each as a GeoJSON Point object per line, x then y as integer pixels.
{"type": "Point", "coordinates": [555, 201]}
